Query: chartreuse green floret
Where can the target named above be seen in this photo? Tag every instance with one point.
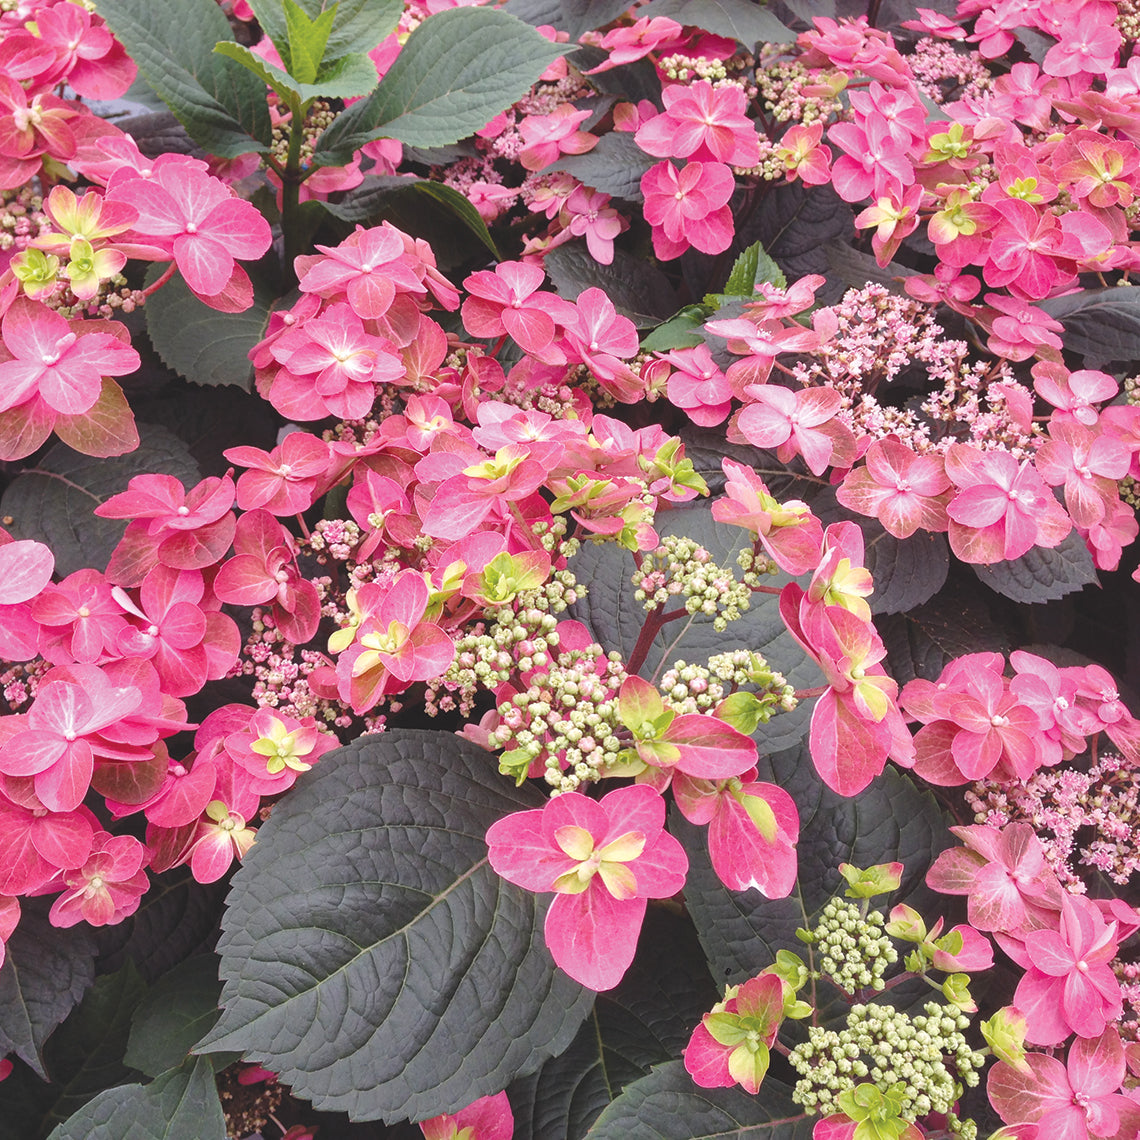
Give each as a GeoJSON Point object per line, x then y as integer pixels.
{"type": "Point", "coordinates": [921, 1064]}
{"type": "Point", "coordinates": [852, 950]}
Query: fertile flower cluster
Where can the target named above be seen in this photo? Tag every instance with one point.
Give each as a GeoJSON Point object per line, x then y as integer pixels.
{"type": "Point", "coordinates": [854, 949]}
{"type": "Point", "coordinates": [925, 1059]}
{"type": "Point", "coordinates": [1084, 819]}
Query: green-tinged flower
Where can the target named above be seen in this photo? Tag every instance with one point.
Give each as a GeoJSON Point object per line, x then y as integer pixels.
{"type": "Point", "coordinates": [878, 880]}
{"type": "Point", "coordinates": [1005, 1035]}
{"type": "Point", "coordinates": [36, 271]}
{"type": "Point", "coordinates": [875, 1112]}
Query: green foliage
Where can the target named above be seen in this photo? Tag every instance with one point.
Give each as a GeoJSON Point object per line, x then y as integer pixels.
{"type": "Point", "coordinates": [82, 1057]}
{"type": "Point", "coordinates": [615, 166]}
{"type": "Point", "coordinates": [174, 1016]}
{"type": "Point", "coordinates": [1042, 574]}
{"type": "Point", "coordinates": [221, 105]}
{"type": "Point", "coordinates": [380, 196]}
{"type": "Point", "coordinates": [645, 1021]}
{"type": "Point", "coordinates": [201, 344]}
{"type": "Point", "coordinates": [667, 1105]}
{"type": "Point", "coordinates": [344, 78]}
{"type": "Point", "coordinates": [457, 71]}
{"type": "Point", "coordinates": [570, 16]}
{"type": "Point", "coordinates": [296, 28]}
{"type": "Point", "coordinates": [637, 289]}
{"type": "Point", "coordinates": [371, 956]}
{"type": "Point", "coordinates": [46, 971]}
{"type": "Point", "coordinates": [739, 20]}
{"type": "Point", "coordinates": [180, 1105]}
{"type": "Point", "coordinates": [1101, 324]}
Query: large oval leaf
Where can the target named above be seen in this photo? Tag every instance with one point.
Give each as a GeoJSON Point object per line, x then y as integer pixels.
{"type": "Point", "coordinates": [645, 1021]}
{"type": "Point", "coordinates": [667, 1105]}
{"type": "Point", "coordinates": [370, 954]}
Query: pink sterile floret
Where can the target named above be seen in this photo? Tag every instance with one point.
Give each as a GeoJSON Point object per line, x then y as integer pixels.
{"type": "Point", "coordinates": [199, 222]}
{"type": "Point", "coordinates": [688, 207]}
{"type": "Point", "coordinates": [1069, 986]}
{"type": "Point", "coordinates": [108, 887]}
{"type": "Point", "coordinates": [603, 859]}
{"type": "Point", "coordinates": [1072, 1100]}
{"type": "Point", "coordinates": [702, 122]}
{"type": "Point", "coordinates": [58, 360]}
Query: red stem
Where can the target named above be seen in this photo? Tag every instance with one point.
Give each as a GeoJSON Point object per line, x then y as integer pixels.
{"type": "Point", "coordinates": [167, 273]}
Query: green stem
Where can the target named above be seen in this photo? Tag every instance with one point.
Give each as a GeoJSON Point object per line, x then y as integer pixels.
{"type": "Point", "coordinates": [291, 179]}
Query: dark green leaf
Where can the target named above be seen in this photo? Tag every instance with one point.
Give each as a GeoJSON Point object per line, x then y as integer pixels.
{"type": "Point", "coordinates": [376, 194]}
{"type": "Point", "coordinates": [615, 166]}
{"type": "Point", "coordinates": [174, 1016]}
{"type": "Point", "coordinates": [741, 20]}
{"type": "Point", "coordinates": [615, 617]}
{"type": "Point", "coordinates": [855, 268]}
{"type": "Point", "coordinates": [457, 71]}
{"type": "Point", "coordinates": [204, 345]}
{"type": "Point", "coordinates": [680, 331]}
{"type": "Point", "coordinates": [82, 1057]}
{"type": "Point", "coordinates": [795, 228]}
{"type": "Point", "coordinates": [638, 289]}
{"type": "Point", "coordinates": [221, 104]}
{"type": "Point", "coordinates": [646, 1020]}
{"type": "Point", "coordinates": [629, 81]}
{"type": "Point", "coordinates": [667, 1105]}
{"type": "Point", "coordinates": [923, 641]}
{"type": "Point", "coordinates": [177, 919]}
{"type": "Point", "coordinates": [182, 1104]}
{"type": "Point", "coordinates": [53, 501]}
{"type": "Point", "coordinates": [891, 820]}
{"type": "Point", "coordinates": [571, 16]}
{"type": "Point", "coordinates": [1042, 575]}
{"type": "Point", "coordinates": [371, 956]}
{"type": "Point", "coordinates": [1100, 324]}
{"type": "Point", "coordinates": [46, 971]}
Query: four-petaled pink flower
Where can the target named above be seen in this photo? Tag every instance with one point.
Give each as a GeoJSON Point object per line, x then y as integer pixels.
{"type": "Point", "coordinates": [603, 859]}
{"type": "Point", "coordinates": [1077, 1099]}
{"type": "Point", "coordinates": [704, 123]}
{"type": "Point", "coordinates": [108, 887]}
{"type": "Point", "coordinates": [1002, 508]}
{"type": "Point", "coordinates": [203, 225]}
{"type": "Point", "coordinates": [688, 207]}
{"type": "Point", "coordinates": [61, 362]}
{"type": "Point", "coordinates": [1068, 986]}
{"type": "Point", "coordinates": [904, 491]}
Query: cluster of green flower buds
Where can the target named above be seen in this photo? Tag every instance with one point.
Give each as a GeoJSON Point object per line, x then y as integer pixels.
{"type": "Point", "coordinates": [852, 949]}
{"type": "Point", "coordinates": [681, 567]}
{"type": "Point", "coordinates": [923, 1062]}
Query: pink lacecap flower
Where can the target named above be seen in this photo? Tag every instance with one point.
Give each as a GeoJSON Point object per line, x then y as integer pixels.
{"type": "Point", "coordinates": [603, 859]}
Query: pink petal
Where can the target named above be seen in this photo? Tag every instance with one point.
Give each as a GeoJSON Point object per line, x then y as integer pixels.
{"type": "Point", "coordinates": [592, 936]}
